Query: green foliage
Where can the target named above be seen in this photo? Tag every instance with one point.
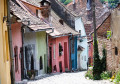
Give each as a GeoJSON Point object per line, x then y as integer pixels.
{"type": "Point", "coordinates": [102, 1]}
{"type": "Point", "coordinates": [49, 69]}
{"type": "Point", "coordinates": [103, 61]}
{"type": "Point", "coordinates": [67, 2]}
{"type": "Point", "coordinates": [62, 1]}
{"type": "Point", "coordinates": [89, 74]}
{"type": "Point", "coordinates": [106, 75]}
{"type": "Point", "coordinates": [30, 73]}
{"type": "Point", "coordinates": [97, 63]}
{"type": "Point", "coordinates": [117, 78]}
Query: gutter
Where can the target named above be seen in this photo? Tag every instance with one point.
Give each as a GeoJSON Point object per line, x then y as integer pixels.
{"type": "Point", "coordinates": [64, 35]}
{"type": "Point", "coordinates": [10, 44]}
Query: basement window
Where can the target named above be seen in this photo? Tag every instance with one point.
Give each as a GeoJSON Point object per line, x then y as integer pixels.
{"type": "Point", "coordinates": [41, 63]}
{"type": "Point", "coordinates": [60, 49]}
{"type": "Point", "coordinates": [116, 51]}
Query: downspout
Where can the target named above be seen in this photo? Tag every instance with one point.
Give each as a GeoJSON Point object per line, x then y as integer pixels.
{"type": "Point", "coordinates": [22, 31]}
{"type": "Point", "coordinates": [70, 53]}
{"type": "Point", "coordinates": [10, 44]}
{"type": "Point", "coordinates": [48, 48]}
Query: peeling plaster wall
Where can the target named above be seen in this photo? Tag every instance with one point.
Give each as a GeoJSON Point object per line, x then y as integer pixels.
{"type": "Point", "coordinates": [30, 39]}
{"type": "Point", "coordinates": [17, 41]}
{"type": "Point", "coordinates": [41, 50]}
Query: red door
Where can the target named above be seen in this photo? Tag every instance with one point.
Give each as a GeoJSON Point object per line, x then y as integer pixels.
{"type": "Point", "coordinates": [65, 55]}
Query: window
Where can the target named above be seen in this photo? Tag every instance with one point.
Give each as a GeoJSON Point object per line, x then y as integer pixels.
{"type": "Point", "coordinates": [116, 51]}
{"type": "Point", "coordinates": [54, 51]}
{"type": "Point", "coordinates": [61, 21]}
{"type": "Point", "coordinates": [60, 49]}
{"type": "Point", "coordinates": [37, 13]}
{"type": "Point", "coordinates": [41, 63]}
{"type": "Point", "coordinates": [16, 57]}
{"type": "Point", "coordinates": [85, 58]}
{"type": "Point", "coordinates": [80, 32]}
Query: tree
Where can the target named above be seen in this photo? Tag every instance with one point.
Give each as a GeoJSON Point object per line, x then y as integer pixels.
{"type": "Point", "coordinates": [97, 62]}
{"type": "Point", "coordinates": [103, 61]}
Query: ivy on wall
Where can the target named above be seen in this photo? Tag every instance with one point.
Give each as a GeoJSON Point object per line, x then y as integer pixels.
{"type": "Point", "coordinates": [65, 2]}
{"type": "Point", "coordinates": [111, 3]}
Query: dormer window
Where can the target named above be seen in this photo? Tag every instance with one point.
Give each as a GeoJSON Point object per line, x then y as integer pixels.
{"type": "Point", "coordinates": [88, 5]}
{"type": "Point", "coordinates": [61, 21]}
{"type": "Point", "coordinates": [37, 13]}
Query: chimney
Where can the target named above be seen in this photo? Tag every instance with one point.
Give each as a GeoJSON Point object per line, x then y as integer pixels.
{"type": "Point", "coordinates": [46, 11]}
{"type": "Point", "coordinates": [74, 5]}
{"type": "Point", "coordinates": [88, 5]}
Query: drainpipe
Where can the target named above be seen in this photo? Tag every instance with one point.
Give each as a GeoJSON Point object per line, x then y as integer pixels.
{"type": "Point", "coordinates": [48, 46]}
{"type": "Point", "coordinates": [10, 44]}
{"type": "Point", "coordinates": [22, 31]}
{"type": "Point", "coordinates": [70, 52]}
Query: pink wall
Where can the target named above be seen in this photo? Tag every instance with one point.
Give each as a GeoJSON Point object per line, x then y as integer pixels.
{"type": "Point", "coordinates": [58, 58]}
{"type": "Point", "coordinates": [91, 52]}
{"type": "Point", "coordinates": [17, 41]}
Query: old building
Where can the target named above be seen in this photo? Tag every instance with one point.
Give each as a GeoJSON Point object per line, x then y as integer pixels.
{"type": "Point", "coordinates": [60, 45]}
{"type": "Point", "coordinates": [115, 19]}
{"type": "Point", "coordinates": [5, 77]}
{"type": "Point", "coordinates": [34, 38]}
{"type": "Point", "coordinates": [75, 21]}
{"type": "Point", "coordinates": [104, 40]}
{"type": "Point", "coordinates": [17, 48]}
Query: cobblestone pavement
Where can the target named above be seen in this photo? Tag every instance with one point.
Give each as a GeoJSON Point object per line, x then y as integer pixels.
{"type": "Point", "coordinates": [68, 78]}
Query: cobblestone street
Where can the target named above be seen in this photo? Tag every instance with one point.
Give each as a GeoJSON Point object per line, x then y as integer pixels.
{"type": "Point", "coordinates": [68, 78]}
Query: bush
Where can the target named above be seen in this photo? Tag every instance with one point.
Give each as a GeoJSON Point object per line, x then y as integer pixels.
{"type": "Point", "coordinates": [49, 69]}
{"type": "Point", "coordinates": [117, 78]}
{"type": "Point", "coordinates": [67, 2]}
{"type": "Point", "coordinates": [106, 75]}
{"type": "Point", "coordinates": [97, 62]}
{"type": "Point", "coordinates": [103, 61]}
{"type": "Point", "coordinates": [89, 74]}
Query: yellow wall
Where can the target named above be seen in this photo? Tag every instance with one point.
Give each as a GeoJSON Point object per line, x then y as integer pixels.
{"type": "Point", "coordinates": [4, 46]}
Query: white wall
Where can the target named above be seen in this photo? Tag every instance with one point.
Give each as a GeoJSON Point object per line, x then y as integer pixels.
{"type": "Point", "coordinates": [84, 54]}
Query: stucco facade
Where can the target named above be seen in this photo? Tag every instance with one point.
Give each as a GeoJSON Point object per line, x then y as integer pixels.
{"type": "Point", "coordinates": [41, 50]}
{"type": "Point", "coordinates": [37, 41]}
{"type": "Point", "coordinates": [81, 55]}
{"type": "Point", "coordinates": [17, 43]}
{"type": "Point", "coordinates": [59, 61]}
{"type": "Point", "coordinates": [4, 46]}
{"type": "Point", "coordinates": [73, 51]}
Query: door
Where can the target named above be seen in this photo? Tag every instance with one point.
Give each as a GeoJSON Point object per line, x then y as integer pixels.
{"type": "Point", "coordinates": [79, 61]}
{"type": "Point", "coordinates": [65, 55]}
{"type": "Point", "coordinates": [50, 53]}
{"type": "Point", "coordinates": [60, 66]}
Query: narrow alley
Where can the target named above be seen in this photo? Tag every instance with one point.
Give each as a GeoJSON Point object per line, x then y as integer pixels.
{"type": "Point", "coordinates": [67, 78]}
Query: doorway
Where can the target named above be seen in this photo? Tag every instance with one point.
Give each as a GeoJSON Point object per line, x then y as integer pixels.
{"type": "Point", "coordinates": [65, 55]}
{"type": "Point", "coordinates": [60, 66]}
{"type": "Point", "coordinates": [79, 61]}
{"type": "Point", "coordinates": [50, 54]}
{"type": "Point", "coordinates": [32, 63]}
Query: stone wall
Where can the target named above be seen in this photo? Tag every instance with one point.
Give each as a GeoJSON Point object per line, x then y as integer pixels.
{"type": "Point", "coordinates": [115, 27]}
{"type": "Point", "coordinates": [101, 42]}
